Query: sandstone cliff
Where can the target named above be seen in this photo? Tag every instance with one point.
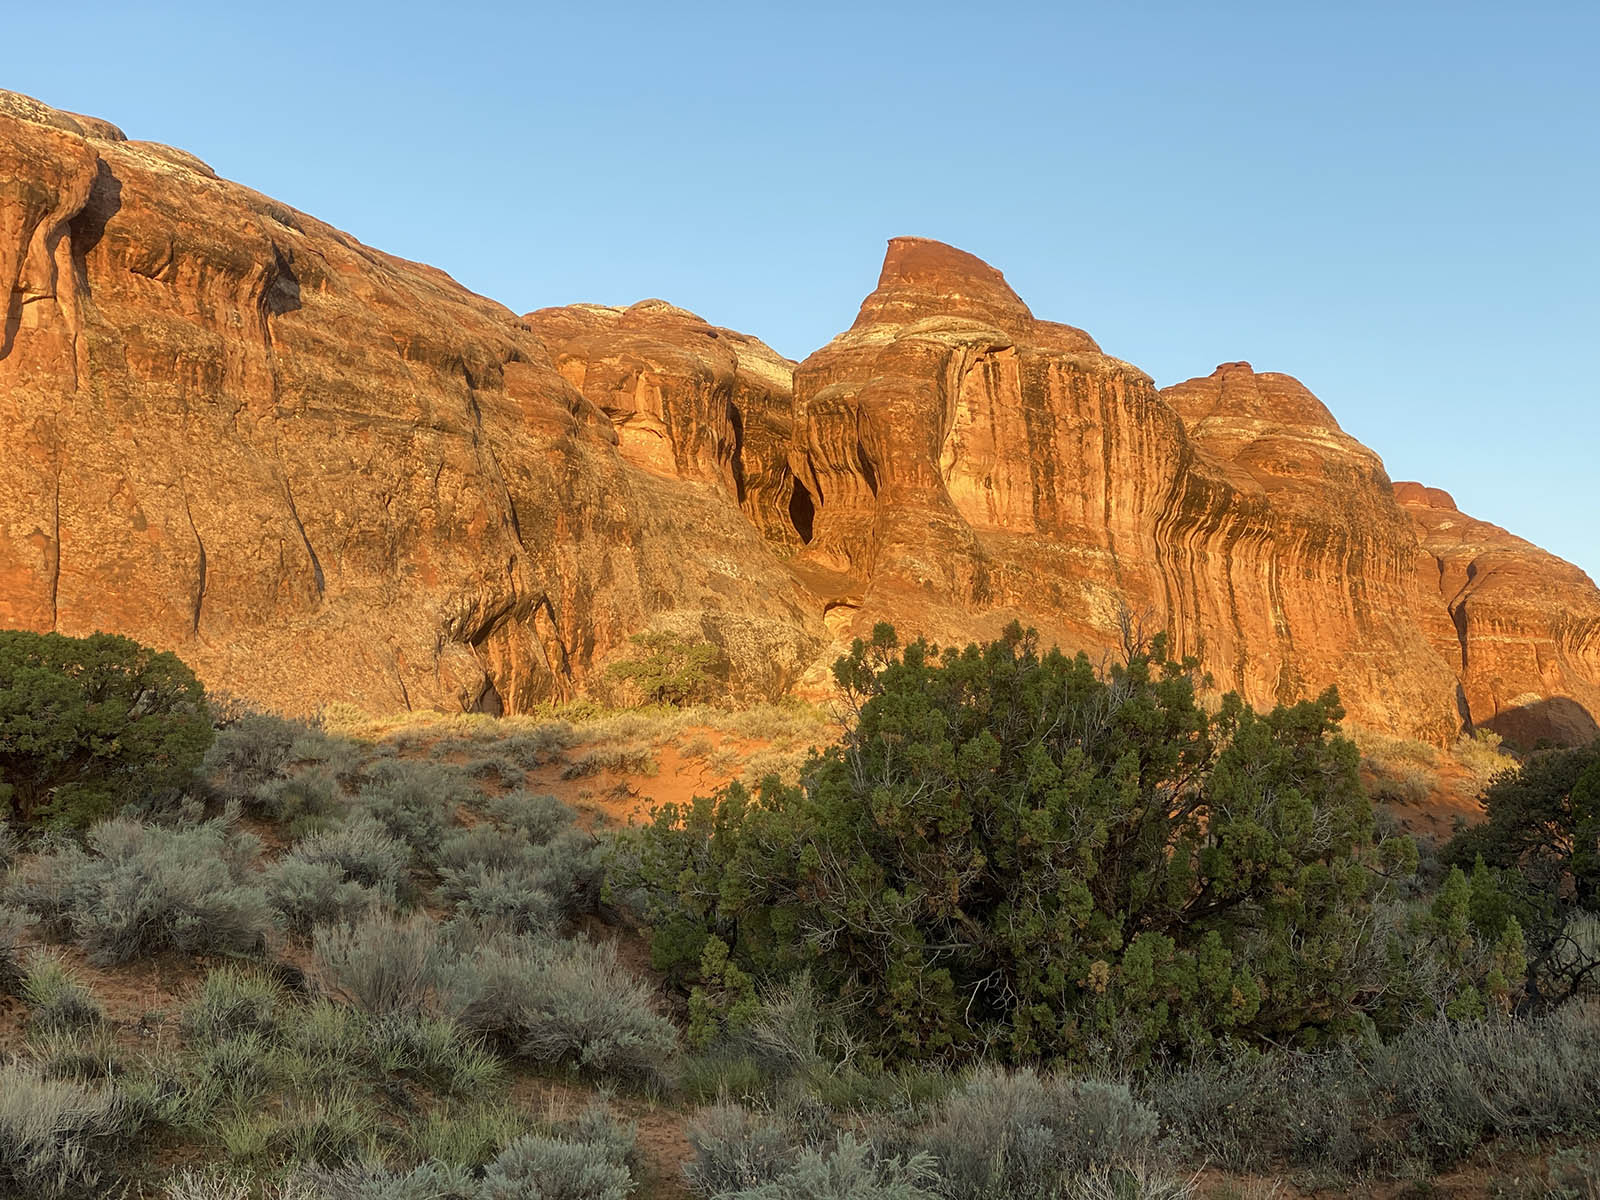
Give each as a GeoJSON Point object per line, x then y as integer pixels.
{"type": "Point", "coordinates": [320, 472]}
{"type": "Point", "coordinates": [1524, 626]}
{"type": "Point", "coordinates": [317, 471]}
{"type": "Point", "coordinates": [966, 458]}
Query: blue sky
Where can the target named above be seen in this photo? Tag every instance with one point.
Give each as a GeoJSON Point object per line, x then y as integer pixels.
{"type": "Point", "coordinates": [1395, 202]}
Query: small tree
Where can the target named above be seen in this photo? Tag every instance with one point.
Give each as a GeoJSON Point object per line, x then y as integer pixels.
{"type": "Point", "coordinates": [1540, 837]}
{"type": "Point", "coordinates": [668, 669]}
{"type": "Point", "coordinates": [89, 723]}
{"type": "Point", "coordinates": [1010, 853]}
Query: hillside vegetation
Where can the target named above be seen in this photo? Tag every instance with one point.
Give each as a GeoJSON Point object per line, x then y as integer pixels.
{"type": "Point", "coordinates": [1001, 925]}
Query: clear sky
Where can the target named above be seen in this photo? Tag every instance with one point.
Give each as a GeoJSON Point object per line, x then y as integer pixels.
{"type": "Point", "coordinates": [1395, 202]}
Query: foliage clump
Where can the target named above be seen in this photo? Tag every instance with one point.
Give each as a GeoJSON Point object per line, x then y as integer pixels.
{"type": "Point", "coordinates": [1019, 1134]}
{"type": "Point", "coordinates": [667, 668]}
{"type": "Point", "coordinates": [742, 1156]}
{"type": "Point", "coordinates": [538, 998]}
{"type": "Point", "coordinates": [1535, 863]}
{"type": "Point", "coordinates": [1010, 853]}
{"type": "Point", "coordinates": [527, 868]}
{"type": "Point", "coordinates": [557, 1002]}
{"type": "Point", "coordinates": [89, 724]}
{"type": "Point", "coordinates": [138, 889]}
{"type": "Point", "coordinates": [58, 1138]}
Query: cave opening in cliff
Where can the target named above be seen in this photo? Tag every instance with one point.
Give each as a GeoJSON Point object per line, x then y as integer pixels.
{"type": "Point", "coordinates": [489, 700]}
{"type": "Point", "coordinates": [802, 512]}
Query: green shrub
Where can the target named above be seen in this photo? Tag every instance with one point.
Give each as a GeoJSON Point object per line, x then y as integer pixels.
{"type": "Point", "coordinates": [235, 1074]}
{"type": "Point", "coordinates": [435, 1050]}
{"type": "Point", "coordinates": [525, 870]}
{"type": "Point", "coordinates": [307, 799]}
{"type": "Point", "coordinates": [89, 1054]}
{"type": "Point", "coordinates": [307, 894]}
{"type": "Point", "coordinates": [381, 964]}
{"type": "Point", "coordinates": [1437, 1092]}
{"type": "Point", "coordinates": [1009, 851]}
{"type": "Point", "coordinates": [140, 889]}
{"type": "Point", "coordinates": [88, 724]}
{"type": "Point", "coordinates": [430, 1181]}
{"type": "Point", "coordinates": [848, 1170]}
{"type": "Point", "coordinates": [720, 1073]}
{"type": "Point", "coordinates": [363, 852]}
{"type": "Point", "coordinates": [58, 1001]}
{"type": "Point", "coordinates": [541, 1167]}
{"type": "Point", "coordinates": [1254, 1112]}
{"type": "Point", "coordinates": [467, 1135]}
{"type": "Point", "coordinates": [543, 743]}
{"type": "Point", "coordinates": [249, 752]}
{"type": "Point", "coordinates": [1540, 843]}
{"type": "Point", "coordinates": [560, 1002]}
{"type": "Point", "coordinates": [505, 900]}
{"type": "Point", "coordinates": [624, 760]}
{"type": "Point", "coordinates": [739, 1154]}
{"type": "Point", "coordinates": [233, 1002]}
{"type": "Point", "coordinates": [735, 1150]}
{"type": "Point", "coordinates": [14, 926]}
{"type": "Point", "coordinates": [1019, 1135]}
{"type": "Point", "coordinates": [909, 1088]}
{"type": "Point", "coordinates": [1574, 1174]}
{"type": "Point", "coordinates": [415, 802]}
{"type": "Point", "coordinates": [666, 668]}
{"type": "Point", "coordinates": [1459, 955]}
{"type": "Point", "coordinates": [794, 1029]}
{"type": "Point", "coordinates": [504, 771]}
{"type": "Point", "coordinates": [328, 1128]}
{"type": "Point", "coordinates": [1468, 1081]}
{"type": "Point", "coordinates": [57, 1138]}
{"type": "Point", "coordinates": [539, 818]}
{"type": "Point", "coordinates": [587, 1160]}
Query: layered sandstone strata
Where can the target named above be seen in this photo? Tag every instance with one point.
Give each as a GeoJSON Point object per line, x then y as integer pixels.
{"type": "Point", "coordinates": [1524, 626]}
{"type": "Point", "coordinates": [966, 458]}
{"type": "Point", "coordinates": [319, 473]}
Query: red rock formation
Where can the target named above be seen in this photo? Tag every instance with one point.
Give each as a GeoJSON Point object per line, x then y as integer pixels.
{"type": "Point", "coordinates": [1308, 567]}
{"type": "Point", "coordinates": [317, 471]}
{"type": "Point", "coordinates": [320, 473]}
{"type": "Point", "coordinates": [1524, 626]}
{"type": "Point", "coordinates": [688, 400]}
{"type": "Point", "coordinates": [968, 459]}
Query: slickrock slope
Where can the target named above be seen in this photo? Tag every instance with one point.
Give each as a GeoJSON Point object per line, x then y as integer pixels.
{"type": "Point", "coordinates": [1524, 628]}
{"type": "Point", "coordinates": [317, 471]}
{"type": "Point", "coordinates": [320, 473]}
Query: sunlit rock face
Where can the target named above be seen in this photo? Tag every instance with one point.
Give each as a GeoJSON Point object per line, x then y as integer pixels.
{"type": "Point", "coordinates": [322, 473]}
{"type": "Point", "coordinates": [319, 472]}
{"type": "Point", "coordinates": [1523, 629]}
{"type": "Point", "coordinates": [965, 458]}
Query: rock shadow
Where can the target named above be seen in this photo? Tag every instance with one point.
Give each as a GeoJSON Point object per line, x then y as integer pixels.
{"type": "Point", "coordinates": [1557, 721]}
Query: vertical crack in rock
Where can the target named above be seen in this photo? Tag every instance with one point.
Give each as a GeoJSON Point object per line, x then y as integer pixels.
{"type": "Point", "coordinates": [200, 582]}
{"type": "Point", "coordinates": [316, 564]}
